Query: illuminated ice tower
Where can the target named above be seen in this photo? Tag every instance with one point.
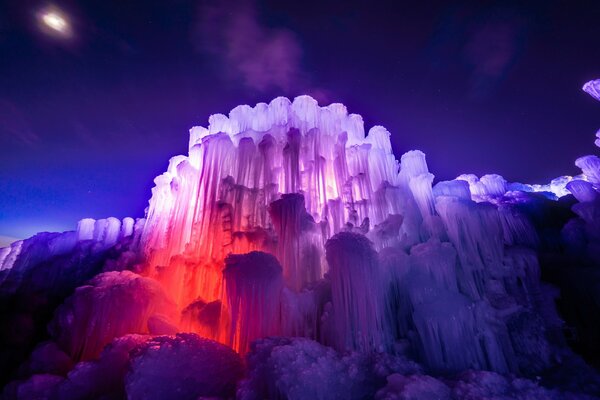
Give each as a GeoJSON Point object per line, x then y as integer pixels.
{"type": "Point", "coordinates": [447, 267]}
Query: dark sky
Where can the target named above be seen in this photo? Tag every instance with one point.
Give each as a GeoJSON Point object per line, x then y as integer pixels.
{"type": "Point", "coordinates": [87, 120]}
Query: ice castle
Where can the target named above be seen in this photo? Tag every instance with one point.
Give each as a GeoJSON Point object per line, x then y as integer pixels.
{"type": "Point", "coordinates": [297, 239]}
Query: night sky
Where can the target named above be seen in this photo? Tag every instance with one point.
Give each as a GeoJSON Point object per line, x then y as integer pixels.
{"type": "Point", "coordinates": [89, 116]}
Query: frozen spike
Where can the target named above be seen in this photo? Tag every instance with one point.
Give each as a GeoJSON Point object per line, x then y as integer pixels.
{"type": "Point", "coordinates": [489, 186]}
{"type": "Point", "coordinates": [195, 157]}
{"type": "Point", "coordinates": [587, 212]}
{"type": "Point", "coordinates": [357, 295]}
{"type": "Point", "coordinates": [396, 266]}
{"type": "Point", "coordinates": [516, 226]}
{"type": "Point", "coordinates": [582, 190]}
{"type": "Point", "coordinates": [476, 187]}
{"type": "Point", "coordinates": [328, 122]}
{"type": "Point", "coordinates": [457, 188]}
{"type": "Point", "coordinates": [592, 88]}
{"type": "Point", "coordinates": [113, 229]}
{"type": "Point", "coordinates": [495, 185]}
{"type": "Point", "coordinates": [85, 229]}
{"type": "Point", "coordinates": [197, 133]}
{"type": "Point", "coordinates": [100, 227]}
{"type": "Point", "coordinates": [446, 329]}
{"type": "Point", "coordinates": [338, 110]}
{"type": "Point", "coordinates": [127, 227]}
{"type": "Point", "coordinates": [279, 111]}
{"type": "Point", "coordinates": [456, 334]}
{"type": "Point", "coordinates": [261, 121]}
{"type": "Point", "coordinates": [354, 126]}
{"type": "Point", "coordinates": [421, 288]}
{"type": "Point", "coordinates": [173, 163]}
{"type": "Point", "coordinates": [219, 123]}
{"type": "Point", "coordinates": [412, 163]}
{"type": "Point", "coordinates": [420, 186]}
{"type": "Point", "coordinates": [253, 284]}
{"type": "Point", "coordinates": [298, 242]}
{"type": "Point", "coordinates": [306, 111]}
{"type": "Point", "coordinates": [590, 166]}
{"type": "Point", "coordinates": [476, 233]}
{"type": "Point", "coordinates": [138, 230]}
{"type": "Point", "coordinates": [4, 253]}
{"type": "Point", "coordinates": [10, 255]}
{"type": "Point", "coordinates": [379, 138]}
{"type": "Point", "coordinates": [241, 118]}
{"type": "Point", "coordinates": [438, 260]}
{"type": "Point", "coordinates": [162, 180]}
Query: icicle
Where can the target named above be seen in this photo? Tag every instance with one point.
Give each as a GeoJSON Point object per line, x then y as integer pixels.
{"type": "Point", "coordinates": [357, 294]}
{"type": "Point", "coordinates": [590, 166]}
{"type": "Point", "coordinates": [253, 284]}
{"type": "Point", "coordinates": [582, 190]}
{"type": "Point", "coordinates": [85, 229]}
{"type": "Point", "coordinates": [448, 329]}
{"type": "Point", "coordinates": [593, 88]}
{"type": "Point", "coordinates": [438, 260]}
{"type": "Point", "coordinates": [456, 188]}
{"type": "Point", "coordinates": [298, 241]}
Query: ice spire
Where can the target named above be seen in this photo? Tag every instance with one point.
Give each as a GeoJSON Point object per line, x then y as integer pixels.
{"type": "Point", "coordinates": [357, 284]}
{"type": "Point", "coordinates": [592, 88]}
{"type": "Point", "coordinates": [253, 284]}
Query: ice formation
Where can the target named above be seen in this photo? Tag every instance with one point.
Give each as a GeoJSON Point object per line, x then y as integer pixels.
{"type": "Point", "coordinates": [293, 179]}
{"type": "Point", "coordinates": [84, 324]}
{"type": "Point", "coordinates": [357, 294]}
{"type": "Point", "coordinates": [593, 88]}
{"type": "Point", "coordinates": [253, 285]}
{"type": "Point", "coordinates": [293, 238]}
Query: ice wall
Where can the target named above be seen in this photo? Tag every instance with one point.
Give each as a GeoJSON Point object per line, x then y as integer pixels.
{"type": "Point", "coordinates": [370, 250]}
{"type": "Point", "coordinates": [253, 285]}
{"type": "Point", "coordinates": [242, 163]}
{"type": "Point", "coordinates": [285, 219]}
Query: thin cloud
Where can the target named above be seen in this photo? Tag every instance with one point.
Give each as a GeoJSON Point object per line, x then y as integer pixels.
{"type": "Point", "coordinates": [492, 48]}
{"type": "Point", "coordinates": [489, 41]}
{"type": "Point", "coordinates": [263, 58]}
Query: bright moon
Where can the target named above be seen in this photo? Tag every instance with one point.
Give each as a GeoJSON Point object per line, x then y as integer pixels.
{"type": "Point", "coordinates": [54, 22]}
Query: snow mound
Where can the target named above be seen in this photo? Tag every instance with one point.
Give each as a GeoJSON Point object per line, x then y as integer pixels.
{"type": "Point", "coordinates": [185, 366]}
{"type": "Point", "coordinates": [299, 369]}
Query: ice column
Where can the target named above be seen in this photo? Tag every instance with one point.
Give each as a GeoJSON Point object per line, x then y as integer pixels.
{"type": "Point", "coordinates": [357, 294]}
{"type": "Point", "coordinates": [253, 284]}
{"type": "Point", "coordinates": [298, 241]}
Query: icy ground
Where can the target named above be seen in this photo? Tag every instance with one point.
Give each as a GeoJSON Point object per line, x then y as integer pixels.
{"type": "Point", "coordinates": [289, 255]}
